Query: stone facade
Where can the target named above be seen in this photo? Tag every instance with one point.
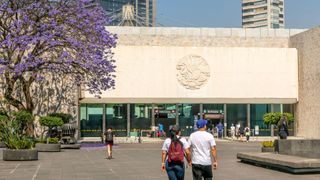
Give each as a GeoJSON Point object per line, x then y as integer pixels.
{"type": "Point", "coordinates": [203, 37]}
{"type": "Point", "coordinates": [308, 107]}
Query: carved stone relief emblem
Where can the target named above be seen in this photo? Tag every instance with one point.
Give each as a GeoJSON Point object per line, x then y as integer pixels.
{"type": "Point", "coordinates": [193, 72]}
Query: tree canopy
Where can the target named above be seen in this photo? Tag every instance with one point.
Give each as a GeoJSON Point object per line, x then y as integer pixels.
{"type": "Point", "coordinates": [61, 37]}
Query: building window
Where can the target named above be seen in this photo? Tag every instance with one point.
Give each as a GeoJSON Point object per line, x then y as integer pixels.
{"type": "Point", "coordinates": [165, 114]}
{"type": "Point", "coordinates": [140, 117]}
{"type": "Point", "coordinates": [91, 120]}
{"type": "Point", "coordinates": [237, 113]}
{"type": "Point", "coordinates": [256, 118]}
{"type": "Point", "coordinates": [188, 113]}
{"type": "Point", "coordinates": [116, 118]}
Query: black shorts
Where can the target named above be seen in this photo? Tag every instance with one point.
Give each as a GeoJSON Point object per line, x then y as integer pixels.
{"type": "Point", "coordinates": [201, 171]}
{"type": "Point", "coordinates": [109, 143]}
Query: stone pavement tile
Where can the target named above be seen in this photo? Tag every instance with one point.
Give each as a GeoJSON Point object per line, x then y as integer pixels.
{"type": "Point", "coordinates": [136, 161]}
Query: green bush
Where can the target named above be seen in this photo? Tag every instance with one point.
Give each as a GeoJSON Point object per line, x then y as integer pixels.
{"type": "Point", "coordinates": [3, 118]}
{"type": "Point", "coordinates": [268, 144]}
{"type": "Point", "coordinates": [11, 136]}
{"type": "Point", "coordinates": [20, 143]}
{"type": "Point", "coordinates": [274, 117]}
{"type": "Point", "coordinates": [25, 121]}
{"type": "Point", "coordinates": [65, 117]}
{"type": "Point", "coordinates": [50, 121]}
{"type": "Point", "coordinates": [24, 117]}
{"type": "Point", "coordinates": [53, 140]}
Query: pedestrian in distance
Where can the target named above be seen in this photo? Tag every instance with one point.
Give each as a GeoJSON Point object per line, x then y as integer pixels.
{"type": "Point", "coordinates": [220, 129]}
{"type": "Point", "coordinates": [283, 128]}
{"type": "Point", "coordinates": [203, 146]}
{"type": "Point", "coordinates": [232, 132]}
{"type": "Point", "coordinates": [174, 150]}
{"type": "Point", "coordinates": [238, 130]}
{"type": "Point", "coordinates": [247, 133]}
{"type": "Point", "coordinates": [241, 132]}
{"type": "Point", "coordinates": [109, 142]}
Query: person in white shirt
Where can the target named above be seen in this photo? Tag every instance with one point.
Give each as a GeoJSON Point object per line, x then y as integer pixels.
{"type": "Point", "coordinates": [233, 131]}
{"type": "Point", "coordinates": [203, 145]}
{"type": "Point", "coordinates": [174, 150]}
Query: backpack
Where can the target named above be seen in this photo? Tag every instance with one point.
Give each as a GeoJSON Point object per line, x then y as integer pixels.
{"type": "Point", "coordinates": [176, 152]}
{"type": "Point", "coordinates": [109, 136]}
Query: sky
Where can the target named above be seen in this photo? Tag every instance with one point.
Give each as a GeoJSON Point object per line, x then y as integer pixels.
{"type": "Point", "coordinates": [299, 14]}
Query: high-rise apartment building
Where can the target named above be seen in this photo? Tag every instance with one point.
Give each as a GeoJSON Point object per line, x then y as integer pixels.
{"type": "Point", "coordinates": [263, 13]}
{"type": "Point", "coordinates": [143, 11]}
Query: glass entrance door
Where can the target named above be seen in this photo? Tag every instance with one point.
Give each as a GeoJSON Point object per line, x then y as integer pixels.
{"type": "Point", "coordinates": [165, 115]}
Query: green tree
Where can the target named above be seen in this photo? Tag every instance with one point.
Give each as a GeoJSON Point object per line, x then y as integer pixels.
{"type": "Point", "coordinates": [274, 117]}
{"type": "Point", "coordinates": [50, 122]}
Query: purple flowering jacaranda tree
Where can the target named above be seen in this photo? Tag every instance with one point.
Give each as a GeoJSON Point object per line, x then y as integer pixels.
{"type": "Point", "coordinates": [60, 37]}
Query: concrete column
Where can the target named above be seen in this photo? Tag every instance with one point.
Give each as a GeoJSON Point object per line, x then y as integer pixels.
{"type": "Point", "coordinates": [281, 108]}
{"type": "Point", "coordinates": [147, 13]}
{"type": "Point", "coordinates": [177, 114]}
{"type": "Point", "coordinates": [225, 122]}
{"type": "Point", "coordinates": [128, 120]}
{"type": "Point", "coordinates": [272, 127]}
{"type": "Point", "coordinates": [103, 121]}
{"type": "Point", "coordinates": [78, 96]}
{"type": "Point", "coordinates": [201, 111]}
{"type": "Point", "coordinates": [248, 115]}
{"type": "Point", "coordinates": [153, 122]}
{"type": "Point", "coordinates": [137, 8]}
{"type": "Point", "coordinates": [295, 124]}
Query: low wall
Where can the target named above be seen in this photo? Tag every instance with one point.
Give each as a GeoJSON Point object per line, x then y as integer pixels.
{"type": "Point", "coordinates": [304, 148]}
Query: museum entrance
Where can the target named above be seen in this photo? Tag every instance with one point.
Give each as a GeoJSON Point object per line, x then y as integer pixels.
{"type": "Point", "coordinates": [165, 116]}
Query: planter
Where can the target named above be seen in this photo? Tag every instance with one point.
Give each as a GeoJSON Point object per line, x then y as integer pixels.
{"type": "Point", "coordinates": [48, 147]}
{"type": "Point", "coordinates": [70, 146]}
{"type": "Point", "coordinates": [267, 149]}
{"type": "Point", "coordinates": [20, 154]}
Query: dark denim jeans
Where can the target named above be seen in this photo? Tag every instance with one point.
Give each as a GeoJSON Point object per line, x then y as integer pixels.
{"type": "Point", "coordinates": [200, 171]}
{"type": "Point", "coordinates": [175, 171]}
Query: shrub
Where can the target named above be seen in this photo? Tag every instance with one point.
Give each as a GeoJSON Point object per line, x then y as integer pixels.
{"type": "Point", "coordinates": [20, 143]}
{"type": "Point", "coordinates": [25, 121]}
{"type": "Point", "coordinates": [65, 117]}
{"type": "Point", "coordinates": [53, 140]}
{"type": "Point", "coordinates": [3, 118]}
{"type": "Point", "coordinates": [274, 117]}
{"type": "Point", "coordinates": [11, 136]}
{"type": "Point", "coordinates": [24, 117]}
{"type": "Point", "coordinates": [50, 122]}
{"type": "Point", "coordinates": [268, 144]}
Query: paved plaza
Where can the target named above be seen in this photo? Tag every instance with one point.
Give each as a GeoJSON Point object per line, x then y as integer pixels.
{"type": "Point", "coordinates": [134, 161]}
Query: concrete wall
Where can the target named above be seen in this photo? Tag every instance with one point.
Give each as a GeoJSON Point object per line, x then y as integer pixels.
{"type": "Point", "coordinates": [308, 108]}
{"type": "Point", "coordinates": [149, 74]}
{"type": "Point", "coordinates": [204, 37]}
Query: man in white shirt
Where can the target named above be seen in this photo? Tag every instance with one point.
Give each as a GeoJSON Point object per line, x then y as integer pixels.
{"type": "Point", "coordinates": [203, 146]}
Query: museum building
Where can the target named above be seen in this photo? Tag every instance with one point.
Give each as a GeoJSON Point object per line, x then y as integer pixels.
{"type": "Point", "coordinates": [177, 75]}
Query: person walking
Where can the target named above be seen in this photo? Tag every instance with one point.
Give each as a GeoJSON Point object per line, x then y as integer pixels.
{"type": "Point", "coordinates": [232, 131]}
{"type": "Point", "coordinates": [109, 142]}
{"type": "Point", "coordinates": [174, 150]}
{"type": "Point", "coordinates": [220, 129]}
{"type": "Point", "coordinates": [247, 133]}
{"type": "Point", "coordinates": [283, 128]}
{"type": "Point", "coordinates": [203, 145]}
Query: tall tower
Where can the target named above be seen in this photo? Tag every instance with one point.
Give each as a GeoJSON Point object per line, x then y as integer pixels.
{"type": "Point", "coordinates": [144, 11]}
{"type": "Point", "coordinates": [263, 14]}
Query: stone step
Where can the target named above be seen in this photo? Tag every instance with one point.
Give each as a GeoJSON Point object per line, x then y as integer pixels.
{"type": "Point", "coordinates": [286, 163]}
